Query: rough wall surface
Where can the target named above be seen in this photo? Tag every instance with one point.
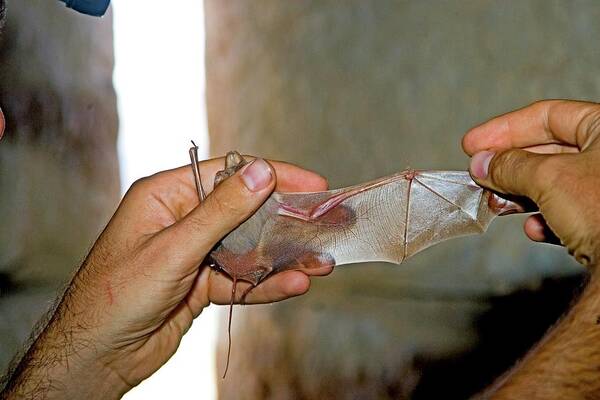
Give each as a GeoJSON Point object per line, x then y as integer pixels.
{"type": "Point", "coordinates": [59, 178]}
{"type": "Point", "coordinates": [363, 89]}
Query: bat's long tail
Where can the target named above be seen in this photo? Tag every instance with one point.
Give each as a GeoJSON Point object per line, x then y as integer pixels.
{"type": "Point", "coordinates": [233, 290]}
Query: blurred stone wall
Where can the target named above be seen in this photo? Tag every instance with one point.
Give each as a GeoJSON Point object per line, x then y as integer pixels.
{"type": "Point", "coordinates": [59, 178]}
{"type": "Point", "coordinates": [360, 89]}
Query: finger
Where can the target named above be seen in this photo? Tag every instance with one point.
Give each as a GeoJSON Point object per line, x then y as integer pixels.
{"type": "Point", "coordinates": [560, 122]}
{"type": "Point", "coordinates": [2, 123]}
{"type": "Point", "coordinates": [317, 271]}
{"type": "Point", "coordinates": [290, 177]}
{"type": "Point", "coordinates": [534, 228]}
{"type": "Point", "coordinates": [197, 297]}
{"type": "Point", "coordinates": [552, 149]}
{"type": "Point", "coordinates": [230, 204]}
{"type": "Point", "coordinates": [182, 197]}
{"type": "Point", "coordinates": [538, 230]}
{"type": "Point", "coordinates": [275, 288]}
{"type": "Point", "coordinates": [515, 172]}
{"type": "Point", "coordinates": [211, 286]}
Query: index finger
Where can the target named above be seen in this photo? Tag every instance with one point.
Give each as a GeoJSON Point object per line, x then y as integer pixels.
{"type": "Point", "coordinates": [564, 124]}
{"type": "Point", "coordinates": [177, 190]}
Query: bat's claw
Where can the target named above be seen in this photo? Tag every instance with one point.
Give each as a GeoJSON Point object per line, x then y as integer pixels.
{"type": "Point", "coordinates": [234, 161]}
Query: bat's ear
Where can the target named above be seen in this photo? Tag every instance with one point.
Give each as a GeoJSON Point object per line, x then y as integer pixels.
{"type": "Point", "coordinates": [234, 161]}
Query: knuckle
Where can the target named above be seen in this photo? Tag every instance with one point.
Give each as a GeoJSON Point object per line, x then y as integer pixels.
{"type": "Point", "coordinates": [539, 103]}
{"type": "Point", "coordinates": [147, 184]}
{"type": "Point", "coordinates": [502, 166]}
{"type": "Point", "coordinates": [543, 105]}
{"type": "Point", "coordinates": [588, 128]}
{"type": "Point", "coordinates": [199, 218]}
{"type": "Point", "coordinates": [139, 185]}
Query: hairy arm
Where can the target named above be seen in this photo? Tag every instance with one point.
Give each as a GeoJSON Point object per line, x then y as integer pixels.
{"type": "Point", "coordinates": [566, 363]}
{"type": "Point", "coordinates": [61, 361]}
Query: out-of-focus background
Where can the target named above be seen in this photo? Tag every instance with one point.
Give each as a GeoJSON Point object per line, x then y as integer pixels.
{"type": "Point", "coordinates": [354, 91]}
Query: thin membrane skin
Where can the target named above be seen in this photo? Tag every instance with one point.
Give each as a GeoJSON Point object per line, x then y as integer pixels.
{"type": "Point", "coordinates": [388, 219]}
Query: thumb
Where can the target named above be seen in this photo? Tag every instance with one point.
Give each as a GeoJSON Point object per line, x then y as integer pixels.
{"type": "Point", "coordinates": [227, 206]}
{"type": "Point", "coordinates": [515, 171]}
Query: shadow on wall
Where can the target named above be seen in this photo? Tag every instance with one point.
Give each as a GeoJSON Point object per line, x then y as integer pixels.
{"type": "Point", "coordinates": [513, 324]}
{"type": "Point", "coordinates": [59, 179]}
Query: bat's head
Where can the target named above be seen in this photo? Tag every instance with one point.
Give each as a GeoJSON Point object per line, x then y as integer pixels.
{"type": "Point", "coordinates": [244, 267]}
{"type": "Point", "coordinates": [254, 268]}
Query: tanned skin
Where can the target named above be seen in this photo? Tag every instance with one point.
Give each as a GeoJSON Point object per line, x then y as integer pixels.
{"type": "Point", "coordinates": [550, 153]}
{"type": "Point", "coordinates": [140, 288]}
{"type": "Point", "coordinates": [565, 364]}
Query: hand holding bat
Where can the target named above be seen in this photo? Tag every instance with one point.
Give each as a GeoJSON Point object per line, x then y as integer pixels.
{"type": "Point", "coordinates": [144, 282]}
{"type": "Point", "coordinates": [550, 153]}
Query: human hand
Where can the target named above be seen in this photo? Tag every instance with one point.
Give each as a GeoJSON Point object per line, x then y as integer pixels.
{"type": "Point", "coordinates": [2, 123]}
{"type": "Point", "coordinates": [550, 153]}
{"type": "Point", "coordinates": [144, 280]}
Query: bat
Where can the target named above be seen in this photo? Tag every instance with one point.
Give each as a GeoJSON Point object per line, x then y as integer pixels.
{"type": "Point", "coordinates": [388, 219]}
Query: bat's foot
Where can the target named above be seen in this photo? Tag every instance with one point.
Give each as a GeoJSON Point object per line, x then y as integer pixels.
{"type": "Point", "coordinates": [233, 163]}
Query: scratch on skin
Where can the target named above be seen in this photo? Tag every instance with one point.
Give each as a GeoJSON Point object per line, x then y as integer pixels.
{"type": "Point", "coordinates": [109, 294]}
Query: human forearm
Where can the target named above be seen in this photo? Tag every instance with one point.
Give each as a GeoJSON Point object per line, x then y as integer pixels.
{"type": "Point", "coordinates": [63, 363]}
{"type": "Point", "coordinates": [566, 363]}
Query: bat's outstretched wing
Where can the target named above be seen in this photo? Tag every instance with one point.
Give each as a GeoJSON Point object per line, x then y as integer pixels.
{"type": "Point", "coordinates": [447, 204]}
{"type": "Point", "coordinates": [388, 219]}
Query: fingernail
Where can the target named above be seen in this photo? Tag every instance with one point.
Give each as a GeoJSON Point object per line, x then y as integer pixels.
{"type": "Point", "coordinates": [257, 175]}
{"type": "Point", "coordinates": [480, 164]}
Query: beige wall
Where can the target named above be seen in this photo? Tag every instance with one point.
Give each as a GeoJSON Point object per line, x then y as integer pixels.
{"type": "Point", "coordinates": [59, 178]}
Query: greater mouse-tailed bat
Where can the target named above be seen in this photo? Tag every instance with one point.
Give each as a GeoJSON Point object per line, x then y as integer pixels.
{"type": "Point", "coordinates": [388, 219]}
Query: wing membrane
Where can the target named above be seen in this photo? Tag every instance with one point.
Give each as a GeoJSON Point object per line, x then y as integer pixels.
{"type": "Point", "coordinates": [388, 220]}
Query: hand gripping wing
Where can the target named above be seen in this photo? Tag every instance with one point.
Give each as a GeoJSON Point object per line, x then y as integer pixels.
{"type": "Point", "coordinates": [388, 219]}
